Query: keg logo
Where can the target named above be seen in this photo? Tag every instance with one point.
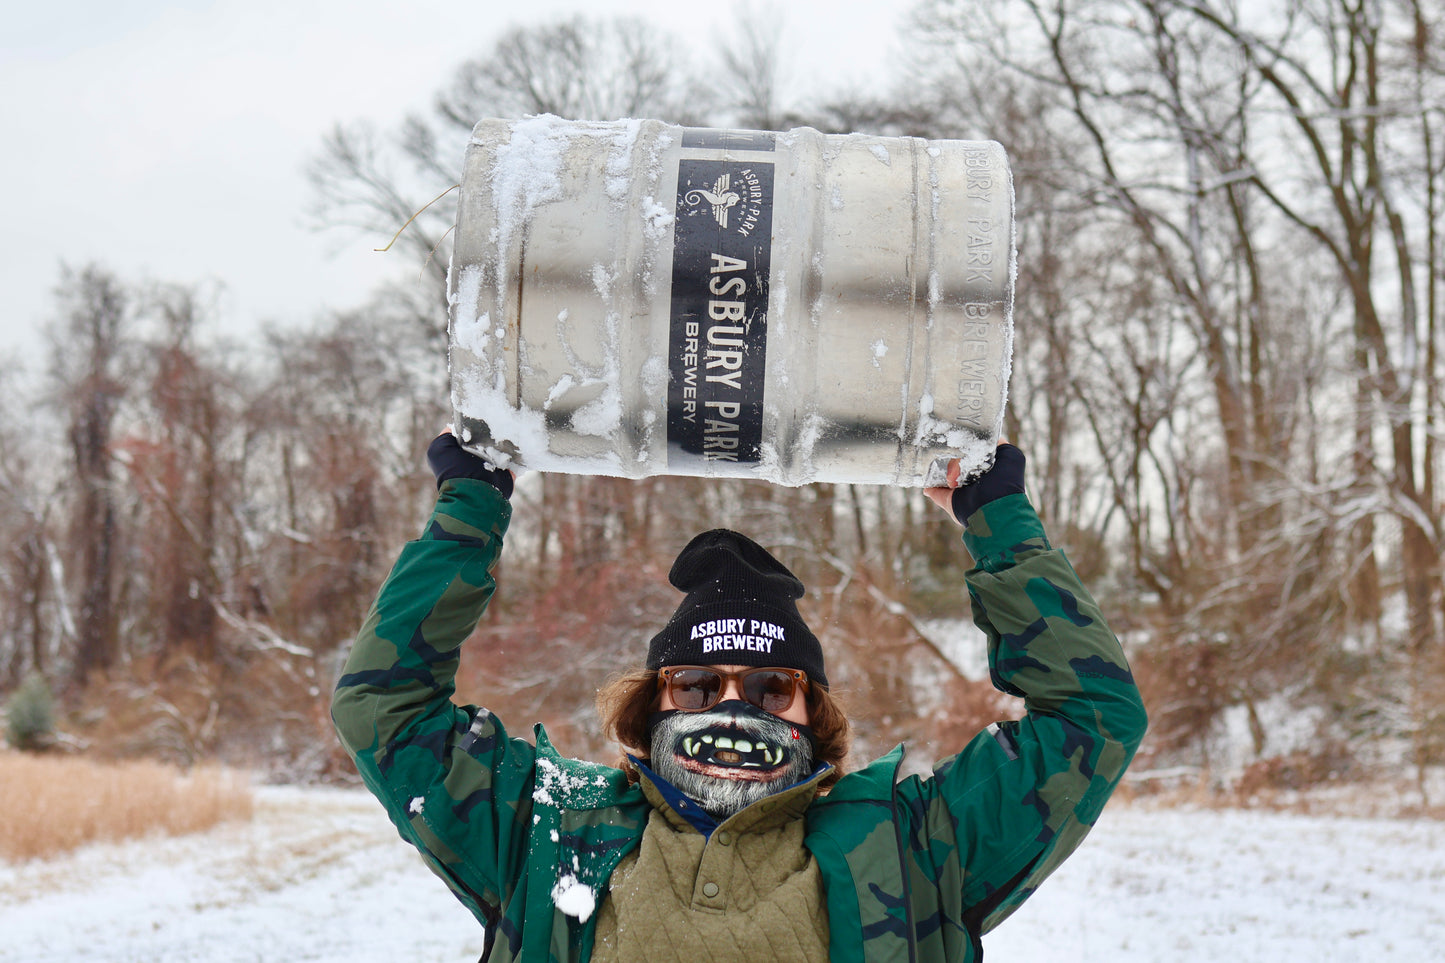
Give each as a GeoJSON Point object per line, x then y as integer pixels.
{"type": "Point", "coordinates": [721, 199]}
{"type": "Point", "coordinates": [721, 269]}
{"type": "Point", "coordinates": [738, 199]}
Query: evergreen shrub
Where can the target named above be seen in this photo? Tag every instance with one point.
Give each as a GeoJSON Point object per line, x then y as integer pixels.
{"type": "Point", "coordinates": [30, 716]}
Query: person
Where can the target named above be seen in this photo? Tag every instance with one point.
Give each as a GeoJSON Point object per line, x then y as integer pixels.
{"type": "Point", "coordinates": [730, 832]}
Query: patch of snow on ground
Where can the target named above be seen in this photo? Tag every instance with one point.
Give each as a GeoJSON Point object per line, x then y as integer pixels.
{"type": "Point", "coordinates": [320, 875]}
{"type": "Point", "coordinates": [1185, 885]}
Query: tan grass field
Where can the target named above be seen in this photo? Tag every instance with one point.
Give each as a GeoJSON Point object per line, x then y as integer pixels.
{"type": "Point", "coordinates": [51, 804]}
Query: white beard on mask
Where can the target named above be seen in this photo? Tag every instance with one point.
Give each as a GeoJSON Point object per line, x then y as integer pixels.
{"type": "Point", "coordinates": [730, 756]}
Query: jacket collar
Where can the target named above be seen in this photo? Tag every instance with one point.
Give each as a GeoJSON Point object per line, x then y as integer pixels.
{"type": "Point", "coordinates": [682, 812]}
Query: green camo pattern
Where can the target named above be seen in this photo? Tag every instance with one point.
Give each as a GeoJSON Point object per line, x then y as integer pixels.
{"type": "Point", "coordinates": [915, 870]}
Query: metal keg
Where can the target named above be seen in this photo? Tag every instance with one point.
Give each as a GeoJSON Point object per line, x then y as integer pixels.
{"type": "Point", "coordinates": [636, 298]}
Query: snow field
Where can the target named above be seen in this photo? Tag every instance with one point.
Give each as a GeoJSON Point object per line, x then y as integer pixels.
{"type": "Point", "coordinates": [320, 875]}
{"type": "Point", "coordinates": [1185, 885]}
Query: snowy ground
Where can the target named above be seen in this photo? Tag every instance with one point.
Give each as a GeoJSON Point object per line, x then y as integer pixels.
{"type": "Point", "coordinates": [321, 875]}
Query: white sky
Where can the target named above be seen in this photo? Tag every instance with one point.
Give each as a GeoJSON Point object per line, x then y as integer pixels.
{"type": "Point", "coordinates": [167, 141]}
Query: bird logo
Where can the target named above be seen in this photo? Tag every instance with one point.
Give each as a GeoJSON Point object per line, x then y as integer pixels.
{"type": "Point", "coordinates": [720, 197]}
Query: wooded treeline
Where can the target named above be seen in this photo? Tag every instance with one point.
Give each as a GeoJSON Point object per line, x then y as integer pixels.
{"type": "Point", "coordinates": [1226, 376]}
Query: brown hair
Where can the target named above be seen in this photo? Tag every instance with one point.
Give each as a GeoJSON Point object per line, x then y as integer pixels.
{"type": "Point", "coordinates": [626, 701]}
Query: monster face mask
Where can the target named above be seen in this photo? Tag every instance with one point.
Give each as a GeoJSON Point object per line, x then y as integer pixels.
{"type": "Point", "coordinates": [730, 755]}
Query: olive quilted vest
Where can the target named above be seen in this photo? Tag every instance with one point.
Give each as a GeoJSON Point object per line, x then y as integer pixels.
{"type": "Point", "coordinates": [749, 892]}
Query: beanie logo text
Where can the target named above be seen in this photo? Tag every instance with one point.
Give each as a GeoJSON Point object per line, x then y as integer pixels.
{"type": "Point", "coordinates": [737, 635]}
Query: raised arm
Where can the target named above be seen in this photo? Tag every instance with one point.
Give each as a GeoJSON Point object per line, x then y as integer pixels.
{"type": "Point", "coordinates": [441, 770]}
{"type": "Point", "coordinates": [1023, 794]}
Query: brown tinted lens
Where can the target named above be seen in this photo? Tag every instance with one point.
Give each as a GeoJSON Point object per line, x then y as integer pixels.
{"type": "Point", "coordinates": [693, 689]}
{"type": "Point", "coordinates": [770, 690]}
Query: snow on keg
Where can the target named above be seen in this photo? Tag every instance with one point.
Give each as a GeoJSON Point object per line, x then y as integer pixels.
{"type": "Point", "coordinates": [635, 299]}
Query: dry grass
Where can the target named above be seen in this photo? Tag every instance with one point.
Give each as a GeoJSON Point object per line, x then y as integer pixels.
{"type": "Point", "coordinates": [1380, 793]}
{"type": "Point", "coordinates": [52, 804]}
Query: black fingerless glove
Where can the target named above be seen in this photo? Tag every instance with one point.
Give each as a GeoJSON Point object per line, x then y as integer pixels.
{"type": "Point", "coordinates": [1005, 477]}
{"type": "Point", "coordinates": [448, 459]}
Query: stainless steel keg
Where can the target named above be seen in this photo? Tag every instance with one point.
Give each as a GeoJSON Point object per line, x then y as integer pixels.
{"type": "Point", "coordinates": [635, 299]}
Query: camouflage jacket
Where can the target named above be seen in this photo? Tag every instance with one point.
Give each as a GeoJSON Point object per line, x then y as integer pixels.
{"type": "Point", "coordinates": [914, 869]}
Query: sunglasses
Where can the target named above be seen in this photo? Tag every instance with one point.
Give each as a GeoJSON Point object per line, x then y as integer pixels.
{"type": "Point", "coordinates": [697, 687]}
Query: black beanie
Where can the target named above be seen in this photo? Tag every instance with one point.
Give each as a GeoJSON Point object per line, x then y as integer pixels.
{"type": "Point", "coordinates": [740, 610]}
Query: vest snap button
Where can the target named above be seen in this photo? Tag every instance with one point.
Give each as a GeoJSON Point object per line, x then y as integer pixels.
{"type": "Point", "coordinates": [709, 890]}
{"type": "Point", "coordinates": [724, 838]}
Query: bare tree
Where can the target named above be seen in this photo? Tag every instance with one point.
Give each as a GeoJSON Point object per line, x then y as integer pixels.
{"type": "Point", "coordinates": [1361, 95]}
{"type": "Point", "coordinates": [751, 71]}
{"type": "Point", "coordinates": [579, 69]}
{"type": "Point", "coordinates": [29, 469]}
{"type": "Point", "coordinates": [89, 375]}
{"type": "Point", "coordinates": [1222, 149]}
{"type": "Point", "coordinates": [333, 442]}
{"type": "Point", "coordinates": [181, 476]}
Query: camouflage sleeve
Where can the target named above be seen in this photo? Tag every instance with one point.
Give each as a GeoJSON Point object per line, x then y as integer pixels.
{"type": "Point", "coordinates": [1022, 796]}
{"type": "Point", "coordinates": [450, 779]}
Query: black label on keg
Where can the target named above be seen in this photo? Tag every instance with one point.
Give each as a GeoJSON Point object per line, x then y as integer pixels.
{"type": "Point", "coordinates": [722, 256]}
{"type": "Point", "coordinates": [713, 138]}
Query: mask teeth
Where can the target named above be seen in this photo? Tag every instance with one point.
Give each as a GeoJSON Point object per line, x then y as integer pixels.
{"type": "Point", "coordinates": [694, 746]}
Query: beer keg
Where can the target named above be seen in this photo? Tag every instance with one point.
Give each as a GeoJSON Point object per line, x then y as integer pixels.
{"type": "Point", "coordinates": [635, 298]}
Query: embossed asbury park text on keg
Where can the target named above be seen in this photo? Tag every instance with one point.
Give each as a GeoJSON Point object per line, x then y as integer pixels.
{"type": "Point", "coordinates": [636, 299]}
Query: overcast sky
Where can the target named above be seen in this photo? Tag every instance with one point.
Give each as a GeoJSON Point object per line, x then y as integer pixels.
{"type": "Point", "coordinates": [168, 141]}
